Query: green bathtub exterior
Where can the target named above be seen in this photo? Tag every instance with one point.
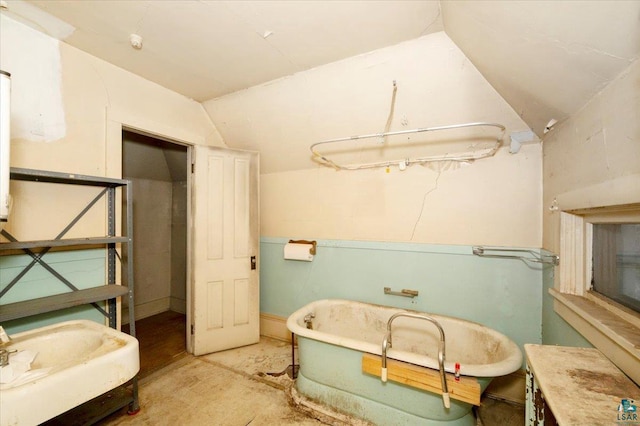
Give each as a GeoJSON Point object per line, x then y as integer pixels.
{"type": "Point", "coordinates": [332, 375]}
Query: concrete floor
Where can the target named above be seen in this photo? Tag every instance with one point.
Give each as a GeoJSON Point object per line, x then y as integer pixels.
{"type": "Point", "coordinates": [233, 388]}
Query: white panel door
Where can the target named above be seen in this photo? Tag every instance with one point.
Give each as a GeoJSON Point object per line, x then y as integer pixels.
{"type": "Point", "coordinates": [225, 233]}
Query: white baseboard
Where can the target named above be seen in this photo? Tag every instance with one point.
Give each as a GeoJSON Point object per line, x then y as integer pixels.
{"type": "Point", "coordinates": [148, 309]}
{"type": "Point", "coordinates": [275, 327]}
{"type": "Point", "coordinates": [178, 305]}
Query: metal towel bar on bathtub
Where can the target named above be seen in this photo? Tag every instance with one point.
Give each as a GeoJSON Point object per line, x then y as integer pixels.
{"type": "Point", "coordinates": [387, 343]}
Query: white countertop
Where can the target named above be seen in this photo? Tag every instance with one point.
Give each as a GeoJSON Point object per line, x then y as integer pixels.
{"type": "Point", "coordinates": [580, 385]}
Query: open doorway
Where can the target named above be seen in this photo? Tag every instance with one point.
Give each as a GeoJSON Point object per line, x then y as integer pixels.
{"type": "Point", "coordinates": [158, 170]}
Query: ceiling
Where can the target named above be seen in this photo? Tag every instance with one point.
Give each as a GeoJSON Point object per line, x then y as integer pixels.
{"type": "Point", "coordinates": [205, 49]}
{"type": "Point", "coordinates": [546, 58]}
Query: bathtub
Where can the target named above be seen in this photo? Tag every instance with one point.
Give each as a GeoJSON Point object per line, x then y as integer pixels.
{"type": "Point", "coordinates": [330, 355]}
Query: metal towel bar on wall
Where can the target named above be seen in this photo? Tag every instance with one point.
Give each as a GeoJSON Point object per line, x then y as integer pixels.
{"type": "Point", "coordinates": [535, 257]}
{"type": "Point", "coordinates": [404, 292]}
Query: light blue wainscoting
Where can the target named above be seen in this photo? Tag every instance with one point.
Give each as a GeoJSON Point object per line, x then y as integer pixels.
{"type": "Point", "coordinates": [83, 268]}
{"type": "Point", "coordinates": [504, 294]}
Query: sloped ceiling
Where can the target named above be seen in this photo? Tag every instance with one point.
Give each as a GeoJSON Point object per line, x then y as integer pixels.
{"type": "Point", "coordinates": [546, 58]}
{"type": "Point", "coordinates": [145, 157]}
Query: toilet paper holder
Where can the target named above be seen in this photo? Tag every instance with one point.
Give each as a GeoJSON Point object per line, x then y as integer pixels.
{"type": "Point", "coordinates": [314, 244]}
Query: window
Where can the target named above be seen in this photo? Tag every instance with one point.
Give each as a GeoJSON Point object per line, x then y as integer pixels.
{"type": "Point", "coordinates": [616, 263]}
{"type": "Point", "coordinates": [598, 288]}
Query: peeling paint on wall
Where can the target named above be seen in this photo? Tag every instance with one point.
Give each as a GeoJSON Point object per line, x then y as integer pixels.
{"type": "Point", "coordinates": [37, 112]}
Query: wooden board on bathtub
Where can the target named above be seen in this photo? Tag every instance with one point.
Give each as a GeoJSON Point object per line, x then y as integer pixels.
{"type": "Point", "coordinates": [466, 390]}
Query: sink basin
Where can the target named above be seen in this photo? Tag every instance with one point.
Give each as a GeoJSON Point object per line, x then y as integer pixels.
{"type": "Point", "coordinates": [76, 361]}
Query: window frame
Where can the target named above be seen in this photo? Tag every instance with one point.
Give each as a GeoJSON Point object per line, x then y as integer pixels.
{"type": "Point", "coordinates": [609, 326]}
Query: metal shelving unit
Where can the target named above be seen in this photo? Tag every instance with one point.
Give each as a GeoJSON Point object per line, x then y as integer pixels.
{"type": "Point", "coordinates": [76, 297]}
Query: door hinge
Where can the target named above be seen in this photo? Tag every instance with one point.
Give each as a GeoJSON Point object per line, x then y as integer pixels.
{"type": "Point", "coordinates": [193, 329]}
{"type": "Point", "coordinates": [193, 167]}
{"type": "Point", "coordinates": [253, 262]}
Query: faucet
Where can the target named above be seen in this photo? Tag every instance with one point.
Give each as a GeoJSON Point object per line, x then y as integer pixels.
{"type": "Point", "coordinates": [308, 320]}
{"type": "Point", "coordinates": [4, 353]}
{"type": "Point", "coordinates": [4, 337]}
{"type": "Point", "coordinates": [4, 356]}
{"type": "Point", "coordinates": [387, 343]}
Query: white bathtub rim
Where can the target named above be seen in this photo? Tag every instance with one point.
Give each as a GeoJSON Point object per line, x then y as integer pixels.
{"type": "Point", "coordinates": [511, 363]}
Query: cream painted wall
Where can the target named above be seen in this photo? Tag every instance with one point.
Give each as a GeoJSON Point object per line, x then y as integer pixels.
{"type": "Point", "coordinates": [495, 201]}
{"type": "Point", "coordinates": [152, 240]}
{"type": "Point", "coordinates": [179, 221]}
{"type": "Point", "coordinates": [492, 202]}
{"type": "Point", "coordinates": [593, 158]}
{"type": "Point", "coordinates": [68, 115]}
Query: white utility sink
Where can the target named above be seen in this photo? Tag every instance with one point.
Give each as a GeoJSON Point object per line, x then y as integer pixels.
{"type": "Point", "coordinates": [76, 361]}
